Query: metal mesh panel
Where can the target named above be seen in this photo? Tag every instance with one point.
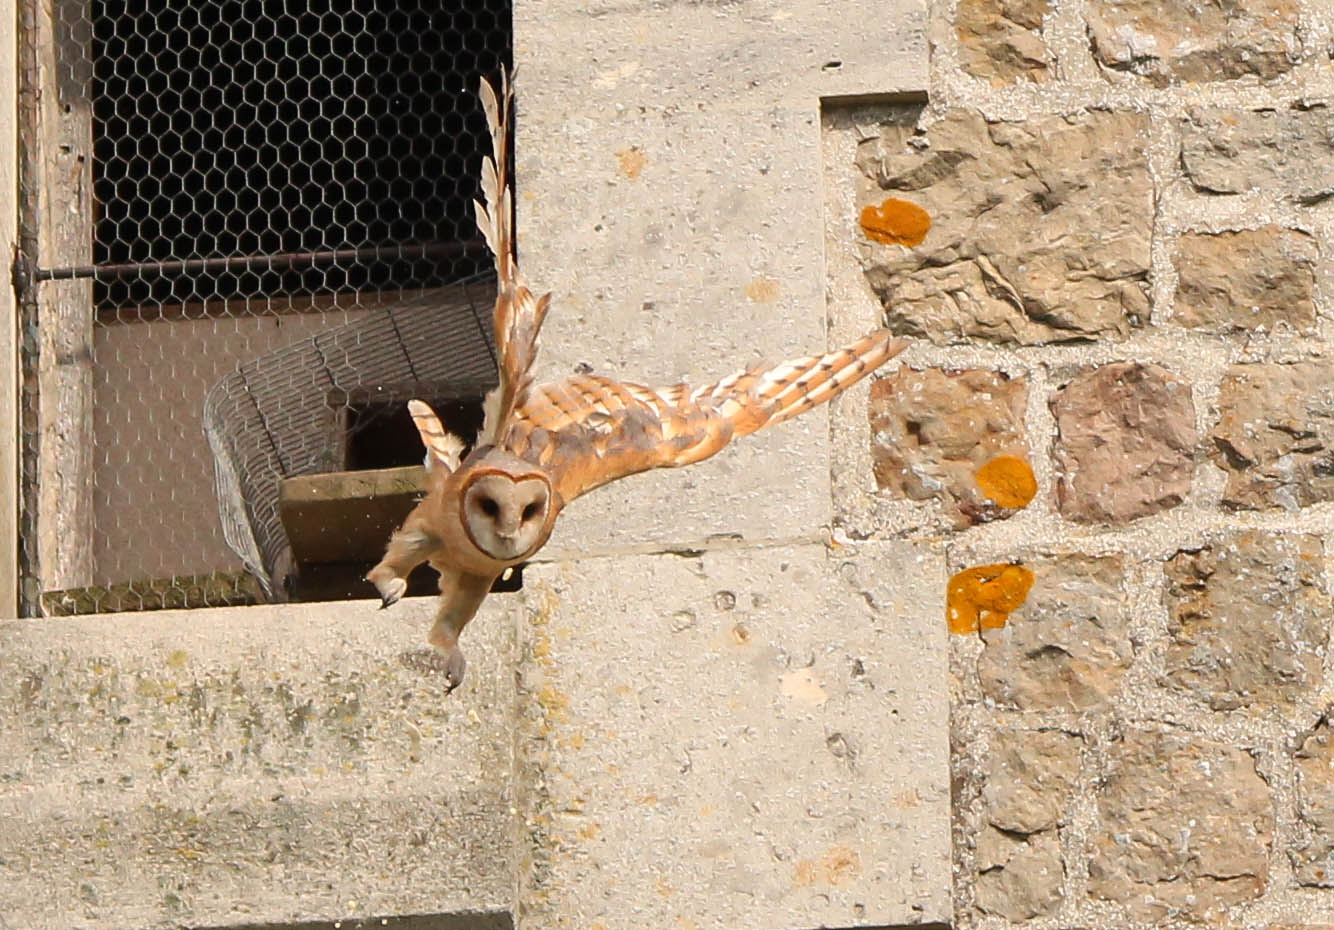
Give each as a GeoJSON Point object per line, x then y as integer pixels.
{"type": "Point", "coordinates": [268, 198]}
{"type": "Point", "coordinates": [274, 416]}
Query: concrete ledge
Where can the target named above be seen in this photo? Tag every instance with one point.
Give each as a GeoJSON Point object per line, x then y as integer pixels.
{"type": "Point", "coordinates": [250, 766]}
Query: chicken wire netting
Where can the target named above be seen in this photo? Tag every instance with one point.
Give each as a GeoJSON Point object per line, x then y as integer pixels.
{"type": "Point", "coordinates": [254, 176]}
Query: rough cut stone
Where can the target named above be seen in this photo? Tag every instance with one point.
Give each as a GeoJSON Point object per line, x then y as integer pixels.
{"type": "Point", "coordinates": [1040, 228]}
{"type": "Point", "coordinates": [1282, 152]}
{"type": "Point", "coordinates": [1067, 647]}
{"type": "Point", "coordinates": [1247, 619]}
{"type": "Point", "coordinates": [1313, 856]}
{"type": "Point", "coordinates": [1168, 41]}
{"type": "Point", "coordinates": [1275, 435]}
{"type": "Point", "coordinates": [1253, 279]}
{"type": "Point", "coordinates": [1020, 877]}
{"type": "Point", "coordinates": [932, 430]}
{"type": "Point", "coordinates": [1185, 827]}
{"type": "Point", "coordinates": [1001, 39]}
{"type": "Point", "coordinates": [1125, 442]}
{"type": "Point", "coordinates": [1030, 778]}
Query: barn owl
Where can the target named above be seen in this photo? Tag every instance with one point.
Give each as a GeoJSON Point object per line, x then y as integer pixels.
{"type": "Point", "coordinates": [541, 446]}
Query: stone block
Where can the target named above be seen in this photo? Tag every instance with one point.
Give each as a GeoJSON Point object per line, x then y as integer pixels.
{"type": "Point", "coordinates": [669, 181]}
{"type": "Point", "coordinates": [1275, 435]}
{"type": "Point", "coordinates": [252, 766]}
{"type": "Point", "coordinates": [1030, 779]}
{"type": "Point", "coordinates": [1248, 620]}
{"type": "Point", "coordinates": [1001, 40]}
{"type": "Point", "coordinates": [1255, 279]}
{"type": "Point", "coordinates": [1068, 646]}
{"type": "Point", "coordinates": [1313, 855]}
{"type": "Point", "coordinates": [1125, 443]}
{"type": "Point", "coordinates": [1282, 153]}
{"type": "Point", "coordinates": [1185, 827]}
{"type": "Point", "coordinates": [740, 738]}
{"type": "Point", "coordinates": [1079, 189]}
{"type": "Point", "coordinates": [1020, 877]}
{"type": "Point", "coordinates": [1183, 41]}
{"type": "Point", "coordinates": [932, 430]}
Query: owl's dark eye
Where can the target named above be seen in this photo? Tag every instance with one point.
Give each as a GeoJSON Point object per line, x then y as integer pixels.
{"type": "Point", "coordinates": [489, 506]}
{"type": "Point", "coordinates": [530, 511]}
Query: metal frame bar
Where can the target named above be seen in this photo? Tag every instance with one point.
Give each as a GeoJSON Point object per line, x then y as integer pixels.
{"type": "Point", "coordinates": [282, 260]}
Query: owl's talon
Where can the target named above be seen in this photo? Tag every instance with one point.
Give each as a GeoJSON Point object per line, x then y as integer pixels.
{"type": "Point", "coordinates": [455, 665]}
{"type": "Point", "coordinates": [391, 589]}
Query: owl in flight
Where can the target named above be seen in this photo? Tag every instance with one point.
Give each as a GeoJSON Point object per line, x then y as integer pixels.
{"type": "Point", "coordinates": [541, 446]}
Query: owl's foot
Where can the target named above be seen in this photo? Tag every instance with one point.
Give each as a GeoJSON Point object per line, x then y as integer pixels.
{"type": "Point", "coordinates": [390, 585]}
{"type": "Point", "coordinates": [454, 665]}
{"type": "Point", "coordinates": [438, 662]}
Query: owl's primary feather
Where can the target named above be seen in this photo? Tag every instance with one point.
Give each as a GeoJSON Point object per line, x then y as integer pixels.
{"type": "Point", "coordinates": [541, 447]}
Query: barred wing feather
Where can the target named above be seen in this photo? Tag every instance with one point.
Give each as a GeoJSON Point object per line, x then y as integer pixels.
{"type": "Point", "coordinates": [587, 430]}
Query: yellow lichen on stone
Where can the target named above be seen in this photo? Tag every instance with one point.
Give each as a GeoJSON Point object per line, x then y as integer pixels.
{"type": "Point", "coordinates": [983, 597]}
{"type": "Point", "coordinates": [896, 222]}
{"type": "Point", "coordinates": [1008, 480]}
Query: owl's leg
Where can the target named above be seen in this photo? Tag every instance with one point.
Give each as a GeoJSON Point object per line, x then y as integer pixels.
{"type": "Point", "coordinates": [408, 547]}
{"type": "Point", "coordinates": [460, 596]}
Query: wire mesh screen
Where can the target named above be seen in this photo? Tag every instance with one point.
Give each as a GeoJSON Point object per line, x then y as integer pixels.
{"type": "Point", "coordinates": [286, 413]}
{"type": "Point", "coordinates": [249, 128]}
{"type": "Point", "coordinates": [251, 176]}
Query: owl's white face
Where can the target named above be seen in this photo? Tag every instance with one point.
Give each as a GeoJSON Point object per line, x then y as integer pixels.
{"type": "Point", "coordinates": [506, 517]}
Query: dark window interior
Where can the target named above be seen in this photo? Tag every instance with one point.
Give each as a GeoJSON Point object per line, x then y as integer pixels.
{"type": "Point", "coordinates": [240, 127]}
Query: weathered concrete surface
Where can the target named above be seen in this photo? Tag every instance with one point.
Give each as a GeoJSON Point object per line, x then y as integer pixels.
{"type": "Point", "coordinates": [747, 738]}
{"type": "Point", "coordinates": [669, 194]}
{"type": "Point", "coordinates": [252, 765]}
{"type": "Point", "coordinates": [9, 329]}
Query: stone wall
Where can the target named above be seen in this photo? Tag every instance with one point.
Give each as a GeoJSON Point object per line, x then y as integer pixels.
{"type": "Point", "coordinates": [1127, 284]}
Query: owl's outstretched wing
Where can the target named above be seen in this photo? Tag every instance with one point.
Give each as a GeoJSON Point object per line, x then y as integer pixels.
{"type": "Point", "coordinates": [519, 312]}
{"type": "Point", "coordinates": [587, 430]}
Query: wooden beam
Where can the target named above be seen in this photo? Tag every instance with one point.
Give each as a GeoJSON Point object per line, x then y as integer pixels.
{"type": "Point", "coordinates": [347, 516]}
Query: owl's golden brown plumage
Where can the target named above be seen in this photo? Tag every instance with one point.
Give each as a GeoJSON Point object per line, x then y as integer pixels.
{"type": "Point", "coordinates": [540, 447]}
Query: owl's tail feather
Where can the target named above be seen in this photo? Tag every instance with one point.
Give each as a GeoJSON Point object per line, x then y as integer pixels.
{"type": "Point", "coordinates": [789, 389]}
{"type": "Point", "coordinates": [443, 448]}
{"type": "Point", "coordinates": [495, 212]}
{"type": "Point", "coordinates": [519, 312]}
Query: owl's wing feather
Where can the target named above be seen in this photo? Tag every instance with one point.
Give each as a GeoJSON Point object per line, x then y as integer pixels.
{"type": "Point", "coordinates": [442, 447]}
{"type": "Point", "coordinates": [587, 430]}
{"type": "Point", "coordinates": [518, 312]}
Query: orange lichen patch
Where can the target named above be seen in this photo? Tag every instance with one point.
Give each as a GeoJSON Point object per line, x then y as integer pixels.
{"type": "Point", "coordinates": [632, 161]}
{"type": "Point", "coordinates": [982, 598]}
{"type": "Point", "coordinates": [763, 290]}
{"type": "Point", "coordinates": [839, 864]}
{"type": "Point", "coordinates": [896, 222]}
{"type": "Point", "coordinates": [1008, 480]}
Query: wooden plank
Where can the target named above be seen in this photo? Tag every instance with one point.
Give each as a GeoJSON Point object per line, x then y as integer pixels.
{"type": "Point", "coordinates": [347, 516]}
